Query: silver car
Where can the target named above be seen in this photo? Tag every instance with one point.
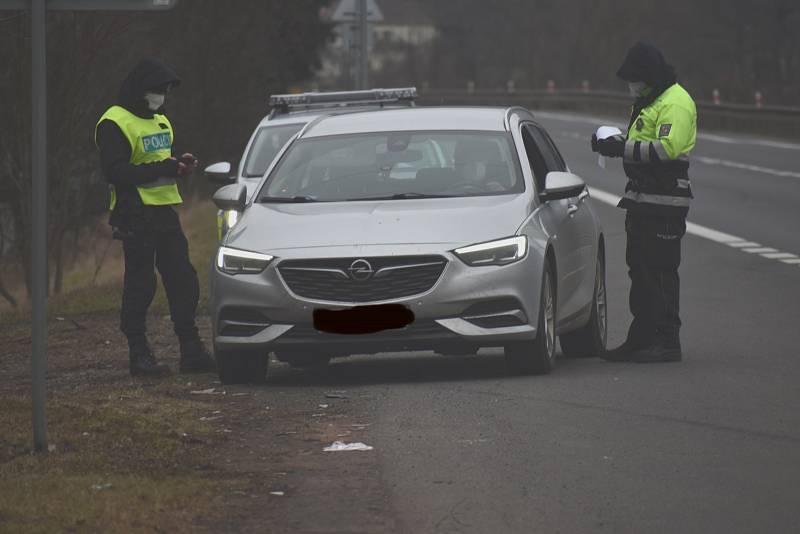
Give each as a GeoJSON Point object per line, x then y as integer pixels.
{"type": "Point", "coordinates": [444, 229]}
{"type": "Point", "coordinates": [289, 113]}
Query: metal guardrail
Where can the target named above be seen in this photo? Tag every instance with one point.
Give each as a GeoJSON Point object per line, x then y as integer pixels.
{"type": "Point", "coordinates": [774, 121]}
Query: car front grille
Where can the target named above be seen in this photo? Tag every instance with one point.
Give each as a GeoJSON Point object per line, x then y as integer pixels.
{"type": "Point", "coordinates": [362, 279]}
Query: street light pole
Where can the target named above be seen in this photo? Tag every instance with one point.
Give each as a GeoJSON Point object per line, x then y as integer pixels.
{"type": "Point", "coordinates": [363, 56]}
{"type": "Point", "coordinates": [39, 221]}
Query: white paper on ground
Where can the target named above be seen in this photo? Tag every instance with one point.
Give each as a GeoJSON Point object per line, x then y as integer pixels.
{"type": "Point", "coordinates": [337, 446]}
{"type": "Point", "coordinates": [604, 132]}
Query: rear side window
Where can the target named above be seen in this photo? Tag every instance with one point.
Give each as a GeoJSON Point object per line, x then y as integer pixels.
{"type": "Point", "coordinates": [268, 142]}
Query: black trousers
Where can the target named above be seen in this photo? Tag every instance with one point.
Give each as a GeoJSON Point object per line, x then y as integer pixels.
{"type": "Point", "coordinates": [653, 255]}
{"type": "Point", "coordinates": [168, 251]}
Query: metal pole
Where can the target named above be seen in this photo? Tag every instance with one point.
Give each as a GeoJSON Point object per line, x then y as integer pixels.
{"type": "Point", "coordinates": [363, 64]}
{"type": "Point", "coordinates": [39, 221]}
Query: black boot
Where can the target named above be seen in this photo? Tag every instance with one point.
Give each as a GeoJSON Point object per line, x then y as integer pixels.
{"type": "Point", "coordinates": [142, 361]}
{"type": "Point", "coordinates": [195, 358]}
{"type": "Point", "coordinates": [658, 353]}
{"type": "Point", "coordinates": [623, 353]}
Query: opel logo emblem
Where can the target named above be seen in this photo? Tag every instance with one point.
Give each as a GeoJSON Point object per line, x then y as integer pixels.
{"type": "Point", "coordinates": [360, 270]}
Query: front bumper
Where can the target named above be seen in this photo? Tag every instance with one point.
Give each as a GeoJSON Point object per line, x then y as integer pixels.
{"type": "Point", "coordinates": [476, 306]}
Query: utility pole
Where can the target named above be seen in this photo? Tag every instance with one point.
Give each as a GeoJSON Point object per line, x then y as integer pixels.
{"type": "Point", "coordinates": [39, 221]}
{"type": "Point", "coordinates": [363, 52]}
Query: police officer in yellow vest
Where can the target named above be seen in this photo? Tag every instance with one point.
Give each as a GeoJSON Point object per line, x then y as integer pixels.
{"type": "Point", "coordinates": [135, 140]}
{"type": "Point", "coordinates": [655, 154]}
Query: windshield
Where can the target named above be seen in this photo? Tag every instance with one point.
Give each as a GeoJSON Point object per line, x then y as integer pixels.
{"type": "Point", "coordinates": [268, 142]}
{"type": "Point", "coordinates": [396, 165]}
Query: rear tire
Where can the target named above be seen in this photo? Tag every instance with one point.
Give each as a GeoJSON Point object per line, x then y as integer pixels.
{"type": "Point", "coordinates": [537, 357]}
{"type": "Point", "coordinates": [590, 340]}
{"type": "Point", "coordinates": [241, 367]}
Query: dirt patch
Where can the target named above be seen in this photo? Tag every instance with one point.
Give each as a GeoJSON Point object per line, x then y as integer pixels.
{"type": "Point", "coordinates": [181, 454]}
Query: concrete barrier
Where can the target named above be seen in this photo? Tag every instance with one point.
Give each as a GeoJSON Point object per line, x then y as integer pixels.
{"type": "Point", "coordinates": [770, 121]}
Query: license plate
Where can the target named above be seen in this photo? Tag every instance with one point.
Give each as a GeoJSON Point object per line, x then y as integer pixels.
{"type": "Point", "coordinates": [363, 319]}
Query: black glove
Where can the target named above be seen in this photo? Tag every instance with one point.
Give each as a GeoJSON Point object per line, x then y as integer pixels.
{"type": "Point", "coordinates": [613, 147]}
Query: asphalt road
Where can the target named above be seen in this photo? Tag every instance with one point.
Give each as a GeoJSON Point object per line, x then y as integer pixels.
{"type": "Point", "coordinates": [711, 444]}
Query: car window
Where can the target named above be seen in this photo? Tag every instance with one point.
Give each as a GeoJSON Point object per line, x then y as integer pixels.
{"type": "Point", "coordinates": [557, 160]}
{"type": "Point", "coordinates": [353, 167]}
{"type": "Point", "coordinates": [266, 145]}
{"type": "Point", "coordinates": [539, 163]}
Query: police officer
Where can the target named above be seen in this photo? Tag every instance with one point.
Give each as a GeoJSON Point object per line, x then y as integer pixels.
{"type": "Point", "coordinates": [655, 155]}
{"type": "Point", "coordinates": [136, 154]}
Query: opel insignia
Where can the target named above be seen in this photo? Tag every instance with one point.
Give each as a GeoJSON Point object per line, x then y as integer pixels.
{"type": "Point", "coordinates": [444, 229]}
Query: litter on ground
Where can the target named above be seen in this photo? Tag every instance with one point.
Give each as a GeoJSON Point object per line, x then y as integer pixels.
{"type": "Point", "coordinates": [337, 446]}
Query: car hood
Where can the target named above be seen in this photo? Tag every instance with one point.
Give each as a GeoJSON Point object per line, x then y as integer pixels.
{"type": "Point", "coordinates": [452, 221]}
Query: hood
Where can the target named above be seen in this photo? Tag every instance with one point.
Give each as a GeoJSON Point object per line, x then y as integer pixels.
{"type": "Point", "coordinates": [148, 74]}
{"type": "Point", "coordinates": [452, 221]}
{"type": "Point", "coordinates": [645, 63]}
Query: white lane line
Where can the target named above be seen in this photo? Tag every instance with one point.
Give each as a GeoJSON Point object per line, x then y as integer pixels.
{"type": "Point", "coordinates": [746, 167]}
{"type": "Point", "coordinates": [779, 256]}
{"type": "Point", "coordinates": [760, 250]}
{"type": "Point", "coordinates": [713, 235]}
{"type": "Point", "coordinates": [597, 121]}
{"type": "Point", "coordinates": [750, 141]}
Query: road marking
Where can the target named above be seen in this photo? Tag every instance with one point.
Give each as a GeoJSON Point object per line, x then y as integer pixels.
{"type": "Point", "coordinates": [779, 256]}
{"type": "Point", "coordinates": [760, 250]}
{"type": "Point", "coordinates": [728, 140]}
{"type": "Point", "coordinates": [713, 235]}
{"type": "Point", "coordinates": [746, 166]}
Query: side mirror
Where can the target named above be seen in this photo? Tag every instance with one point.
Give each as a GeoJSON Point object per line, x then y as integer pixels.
{"type": "Point", "coordinates": [232, 197]}
{"type": "Point", "coordinates": [220, 172]}
{"type": "Point", "coordinates": [559, 185]}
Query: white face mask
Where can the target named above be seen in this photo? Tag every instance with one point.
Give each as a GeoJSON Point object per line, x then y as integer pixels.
{"type": "Point", "coordinates": [154, 101]}
{"type": "Point", "coordinates": [636, 88]}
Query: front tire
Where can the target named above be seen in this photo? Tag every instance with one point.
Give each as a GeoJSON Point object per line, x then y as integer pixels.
{"type": "Point", "coordinates": [538, 357]}
{"type": "Point", "coordinates": [590, 340]}
{"type": "Point", "coordinates": [242, 367]}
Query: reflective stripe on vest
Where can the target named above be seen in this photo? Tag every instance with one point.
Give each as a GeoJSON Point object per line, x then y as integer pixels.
{"type": "Point", "coordinates": [151, 142]}
{"type": "Point", "coordinates": [656, 154]}
{"type": "Point", "coordinates": [662, 200]}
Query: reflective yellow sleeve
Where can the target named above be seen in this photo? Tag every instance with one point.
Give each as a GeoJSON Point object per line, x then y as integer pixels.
{"type": "Point", "coordinates": [677, 130]}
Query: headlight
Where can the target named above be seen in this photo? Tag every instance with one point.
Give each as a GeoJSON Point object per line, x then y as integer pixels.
{"type": "Point", "coordinates": [231, 217]}
{"type": "Point", "coordinates": [234, 261]}
{"type": "Point", "coordinates": [500, 252]}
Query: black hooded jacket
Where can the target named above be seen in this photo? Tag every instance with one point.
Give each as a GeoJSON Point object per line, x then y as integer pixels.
{"type": "Point", "coordinates": [115, 152]}
{"type": "Point", "coordinates": [645, 63]}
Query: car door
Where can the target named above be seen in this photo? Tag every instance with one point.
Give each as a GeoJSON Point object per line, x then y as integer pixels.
{"type": "Point", "coordinates": [569, 219]}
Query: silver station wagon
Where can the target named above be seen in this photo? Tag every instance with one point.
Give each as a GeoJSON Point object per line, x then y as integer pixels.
{"type": "Point", "coordinates": [445, 229]}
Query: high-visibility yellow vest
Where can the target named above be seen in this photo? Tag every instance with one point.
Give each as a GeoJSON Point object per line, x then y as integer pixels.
{"type": "Point", "coordinates": [151, 142]}
{"type": "Point", "coordinates": [656, 159]}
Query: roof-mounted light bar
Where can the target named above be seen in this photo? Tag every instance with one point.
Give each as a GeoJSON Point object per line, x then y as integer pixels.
{"type": "Point", "coordinates": [343, 98]}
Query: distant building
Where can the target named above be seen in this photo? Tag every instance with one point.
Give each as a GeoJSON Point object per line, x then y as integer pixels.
{"type": "Point", "coordinates": [399, 29]}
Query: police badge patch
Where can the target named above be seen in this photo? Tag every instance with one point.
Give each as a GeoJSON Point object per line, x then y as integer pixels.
{"type": "Point", "coordinates": [639, 125]}
{"type": "Point", "coordinates": [664, 130]}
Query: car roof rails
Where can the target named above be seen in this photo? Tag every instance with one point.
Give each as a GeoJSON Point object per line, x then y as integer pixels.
{"type": "Point", "coordinates": [283, 104]}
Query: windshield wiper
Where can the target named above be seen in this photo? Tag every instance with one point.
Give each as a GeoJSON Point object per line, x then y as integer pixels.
{"type": "Point", "coordinates": [401, 196]}
{"type": "Point", "coordinates": [288, 200]}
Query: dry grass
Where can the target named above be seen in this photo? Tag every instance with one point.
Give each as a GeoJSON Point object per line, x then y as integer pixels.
{"type": "Point", "coordinates": [127, 457]}
{"type": "Point", "coordinates": [87, 289]}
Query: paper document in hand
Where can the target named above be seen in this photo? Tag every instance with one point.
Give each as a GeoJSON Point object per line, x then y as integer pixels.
{"type": "Point", "coordinates": [604, 132]}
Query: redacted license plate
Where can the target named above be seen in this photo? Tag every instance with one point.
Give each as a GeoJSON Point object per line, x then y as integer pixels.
{"type": "Point", "coordinates": [363, 319]}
